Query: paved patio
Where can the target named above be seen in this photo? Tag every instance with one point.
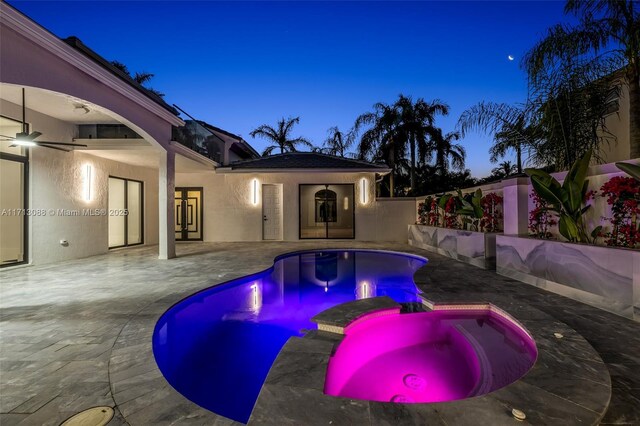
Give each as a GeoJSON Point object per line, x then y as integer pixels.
{"type": "Point", "coordinates": [77, 334]}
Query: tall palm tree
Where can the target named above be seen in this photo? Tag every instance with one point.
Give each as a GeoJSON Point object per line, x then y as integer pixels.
{"type": "Point", "coordinates": [337, 142]}
{"type": "Point", "coordinates": [447, 151]}
{"type": "Point", "coordinates": [608, 32]}
{"type": "Point", "coordinates": [513, 127]}
{"type": "Point", "coordinates": [417, 122]}
{"type": "Point", "coordinates": [280, 136]}
{"type": "Point", "coordinates": [383, 140]}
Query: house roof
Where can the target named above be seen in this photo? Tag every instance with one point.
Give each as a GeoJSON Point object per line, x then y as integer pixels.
{"type": "Point", "coordinates": [77, 44]}
{"type": "Point", "coordinates": [240, 146]}
{"type": "Point", "coordinates": [306, 160]}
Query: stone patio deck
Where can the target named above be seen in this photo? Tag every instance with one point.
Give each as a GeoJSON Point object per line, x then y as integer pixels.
{"type": "Point", "coordinates": [77, 334]}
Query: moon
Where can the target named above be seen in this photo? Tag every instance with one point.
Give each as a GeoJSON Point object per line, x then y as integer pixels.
{"type": "Point", "coordinates": [510, 57]}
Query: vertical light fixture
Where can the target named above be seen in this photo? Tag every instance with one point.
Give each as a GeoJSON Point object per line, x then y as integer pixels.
{"type": "Point", "coordinates": [88, 171]}
{"type": "Point", "coordinates": [254, 192]}
{"type": "Point", "coordinates": [363, 191]}
{"type": "Point", "coordinates": [346, 203]}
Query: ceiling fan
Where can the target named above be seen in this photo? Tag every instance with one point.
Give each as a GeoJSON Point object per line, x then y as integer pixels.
{"type": "Point", "coordinates": [28, 139]}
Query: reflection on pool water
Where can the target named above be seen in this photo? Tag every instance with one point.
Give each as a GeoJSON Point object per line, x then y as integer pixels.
{"type": "Point", "coordinates": [216, 347]}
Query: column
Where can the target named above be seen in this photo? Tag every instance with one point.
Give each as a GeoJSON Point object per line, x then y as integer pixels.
{"type": "Point", "coordinates": [166, 197]}
{"type": "Point", "coordinates": [516, 206]}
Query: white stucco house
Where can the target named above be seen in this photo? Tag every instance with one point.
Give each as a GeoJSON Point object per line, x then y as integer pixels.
{"type": "Point", "coordinates": [106, 170]}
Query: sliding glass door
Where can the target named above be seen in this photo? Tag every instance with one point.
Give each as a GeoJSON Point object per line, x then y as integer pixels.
{"type": "Point", "coordinates": [126, 222]}
{"type": "Point", "coordinates": [14, 164]}
{"type": "Point", "coordinates": [327, 211]}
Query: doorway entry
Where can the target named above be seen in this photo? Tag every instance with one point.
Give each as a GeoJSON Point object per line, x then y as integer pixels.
{"type": "Point", "coordinates": [271, 212]}
{"type": "Point", "coordinates": [188, 214]}
{"type": "Point", "coordinates": [126, 218]}
{"type": "Point", "coordinates": [327, 211]}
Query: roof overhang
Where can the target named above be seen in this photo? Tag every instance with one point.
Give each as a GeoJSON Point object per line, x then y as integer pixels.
{"type": "Point", "coordinates": [363, 170]}
{"type": "Point", "coordinates": [182, 150]}
{"type": "Point", "coordinates": [35, 33]}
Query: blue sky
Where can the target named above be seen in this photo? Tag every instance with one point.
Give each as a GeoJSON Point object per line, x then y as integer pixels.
{"type": "Point", "coordinates": [240, 64]}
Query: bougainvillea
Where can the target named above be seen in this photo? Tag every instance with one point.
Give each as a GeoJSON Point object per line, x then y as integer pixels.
{"type": "Point", "coordinates": [423, 212]}
{"type": "Point", "coordinates": [450, 216]}
{"type": "Point", "coordinates": [492, 213]}
{"type": "Point", "coordinates": [623, 195]}
{"type": "Point", "coordinates": [540, 219]}
{"type": "Point", "coordinates": [433, 215]}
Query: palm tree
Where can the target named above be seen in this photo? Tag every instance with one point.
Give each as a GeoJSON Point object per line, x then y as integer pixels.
{"type": "Point", "coordinates": [417, 122]}
{"type": "Point", "coordinates": [446, 150]}
{"type": "Point", "coordinates": [513, 127]}
{"type": "Point", "coordinates": [280, 137]}
{"type": "Point", "coordinates": [140, 77]}
{"type": "Point", "coordinates": [383, 140]}
{"type": "Point", "coordinates": [505, 169]}
{"type": "Point", "coordinates": [338, 142]}
{"type": "Point", "coordinates": [608, 33]}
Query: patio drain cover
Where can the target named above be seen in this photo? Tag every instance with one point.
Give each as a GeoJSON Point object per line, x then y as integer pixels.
{"type": "Point", "coordinates": [96, 416]}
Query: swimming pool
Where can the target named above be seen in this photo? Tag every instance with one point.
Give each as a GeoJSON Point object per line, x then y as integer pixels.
{"type": "Point", "coordinates": [216, 346]}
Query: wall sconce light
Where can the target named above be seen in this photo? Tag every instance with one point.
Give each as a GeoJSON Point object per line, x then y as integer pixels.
{"type": "Point", "coordinates": [345, 203]}
{"type": "Point", "coordinates": [86, 193]}
{"type": "Point", "coordinates": [363, 191]}
{"type": "Point", "coordinates": [254, 192]}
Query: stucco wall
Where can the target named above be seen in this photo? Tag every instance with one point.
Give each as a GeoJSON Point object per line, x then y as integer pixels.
{"type": "Point", "coordinates": [56, 181]}
{"type": "Point", "coordinates": [229, 214]}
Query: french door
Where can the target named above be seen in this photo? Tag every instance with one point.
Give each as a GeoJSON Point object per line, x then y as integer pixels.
{"type": "Point", "coordinates": [327, 211]}
{"type": "Point", "coordinates": [126, 219]}
{"type": "Point", "coordinates": [188, 214]}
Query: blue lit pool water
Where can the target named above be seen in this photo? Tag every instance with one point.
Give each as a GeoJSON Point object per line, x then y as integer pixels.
{"type": "Point", "coordinates": [216, 346]}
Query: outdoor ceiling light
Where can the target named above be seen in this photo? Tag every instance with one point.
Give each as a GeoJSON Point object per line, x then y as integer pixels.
{"type": "Point", "coordinates": [363, 191]}
{"type": "Point", "coordinates": [81, 110]}
{"type": "Point", "coordinates": [22, 143]}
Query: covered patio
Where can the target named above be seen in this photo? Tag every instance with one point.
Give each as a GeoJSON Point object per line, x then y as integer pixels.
{"type": "Point", "coordinates": [86, 340]}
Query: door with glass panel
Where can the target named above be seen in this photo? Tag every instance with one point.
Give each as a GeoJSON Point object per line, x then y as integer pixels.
{"type": "Point", "coordinates": [126, 222]}
{"type": "Point", "coordinates": [188, 214]}
{"type": "Point", "coordinates": [327, 211]}
{"type": "Point", "coordinates": [14, 196]}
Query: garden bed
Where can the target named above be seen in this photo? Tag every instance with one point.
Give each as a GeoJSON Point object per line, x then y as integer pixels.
{"type": "Point", "coordinates": [475, 248]}
{"type": "Point", "coordinates": [605, 277]}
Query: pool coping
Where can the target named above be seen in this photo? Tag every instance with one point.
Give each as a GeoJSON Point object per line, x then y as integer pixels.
{"type": "Point", "coordinates": [568, 383]}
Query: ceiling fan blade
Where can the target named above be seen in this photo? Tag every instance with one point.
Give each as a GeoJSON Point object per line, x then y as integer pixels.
{"type": "Point", "coordinates": [33, 135]}
{"type": "Point", "coordinates": [60, 143]}
{"type": "Point", "coordinates": [8, 137]}
{"type": "Point", "coordinates": [52, 147]}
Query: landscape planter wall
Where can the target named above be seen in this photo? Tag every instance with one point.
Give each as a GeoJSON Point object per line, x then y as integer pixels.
{"type": "Point", "coordinates": [475, 248]}
{"type": "Point", "coordinates": [605, 277]}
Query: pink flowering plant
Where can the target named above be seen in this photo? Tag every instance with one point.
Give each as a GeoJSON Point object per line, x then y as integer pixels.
{"type": "Point", "coordinates": [623, 197]}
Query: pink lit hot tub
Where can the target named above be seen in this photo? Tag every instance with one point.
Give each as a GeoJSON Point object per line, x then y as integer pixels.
{"type": "Point", "coordinates": [434, 356]}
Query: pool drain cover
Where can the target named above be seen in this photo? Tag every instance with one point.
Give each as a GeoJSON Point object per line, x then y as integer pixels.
{"type": "Point", "coordinates": [415, 382]}
{"type": "Point", "coordinates": [96, 416]}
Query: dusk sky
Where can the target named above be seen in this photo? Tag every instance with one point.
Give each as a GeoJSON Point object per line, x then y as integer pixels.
{"type": "Point", "coordinates": [240, 64]}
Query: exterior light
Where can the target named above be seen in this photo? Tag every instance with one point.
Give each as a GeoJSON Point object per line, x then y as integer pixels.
{"type": "Point", "coordinates": [22, 143]}
{"type": "Point", "coordinates": [346, 203]}
{"type": "Point", "coordinates": [88, 171]}
{"type": "Point", "coordinates": [254, 192]}
{"type": "Point", "coordinates": [363, 191]}
{"type": "Point", "coordinates": [80, 110]}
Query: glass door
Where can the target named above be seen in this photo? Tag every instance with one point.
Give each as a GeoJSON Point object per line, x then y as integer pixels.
{"type": "Point", "coordinates": [126, 221]}
{"type": "Point", "coordinates": [14, 164]}
{"type": "Point", "coordinates": [327, 211]}
{"type": "Point", "coordinates": [188, 214]}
